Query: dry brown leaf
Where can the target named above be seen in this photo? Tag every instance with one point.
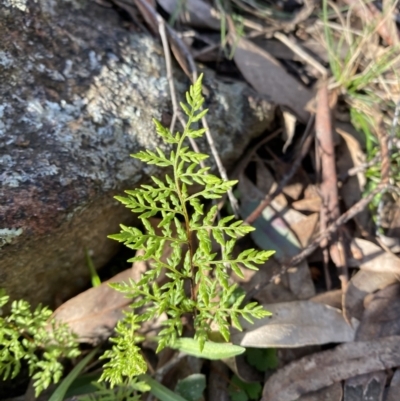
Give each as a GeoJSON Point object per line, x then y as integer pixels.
{"type": "Point", "coordinates": [272, 292]}
{"type": "Point", "coordinates": [392, 243]}
{"type": "Point", "coordinates": [196, 13]}
{"type": "Point", "coordinates": [296, 324]}
{"type": "Point", "coordinates": [275, 48]}
{"type": "Point", "coordinates": [294, 189]}
{"type": "Point", "coordinates": [394, 389]}
{"type": "Point", "coordinates": [381, 317]}
{"type": "Point", "coordinates": [306, 228]}
{"type": "Point", "coordinates": [330, 393]}
{"type": "Point", "coordinates": [298, 182]}
{"type": "Point", "coordinates": [268, 77]}
{"type": "Point", "coordinates": [361, 284]}
{"type": "Point", "coordinates": [290, 127]}
{"type": "Point", "coordinates": [243, 370]}
{"type": "Point", "coordinates": [374, 258]}
{"type": "Point", "coordinates": [325, 368]}
{"type": "Point", "coordinates": [93, 314]}
{"type": "Point", "coordinates": [308, 205]}
{"type": "Point", "coordinates": [217, 382]}
{"type": "Point", "coordinates": [365, 387]}
{"type": "Point", "coordinates": [331, 298]}
{"type": "Point", "coordinates": [273, 232]}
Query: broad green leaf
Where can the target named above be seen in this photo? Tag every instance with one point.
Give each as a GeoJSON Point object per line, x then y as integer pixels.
{"type": "Point", "coordinates": [211, 349]}
{"type": "Point", "coordinates": [262, 358]}
{"type": "Point", "coordinates": [192, 387]}
{"type": "Point", "coordinates": [242, 391]}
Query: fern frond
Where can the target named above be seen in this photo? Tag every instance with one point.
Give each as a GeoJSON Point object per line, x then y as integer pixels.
{"type": "Point", "coordinates": [179, 200]}
{"type": "Point", "coordinates": [24, 333]}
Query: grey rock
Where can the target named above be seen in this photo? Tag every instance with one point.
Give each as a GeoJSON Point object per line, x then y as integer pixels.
{"type": "Point", "coordinates": [78, 93]}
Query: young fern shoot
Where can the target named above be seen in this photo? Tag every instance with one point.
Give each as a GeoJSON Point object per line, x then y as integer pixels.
{"type": "Point", "coordinates": [210, 297]}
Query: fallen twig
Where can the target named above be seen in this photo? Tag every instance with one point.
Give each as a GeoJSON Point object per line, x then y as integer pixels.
{"type": "Point", "coordinates": [167, 55]}
{"type": "Point", "coordinates": [360, 169]}
{"type": "Point", "coordinates": [331, 229]}
{"type": "Point", "coordinates": [384, 140]}
{"type": "Point", "coordinates": [325, 150]}
{"type": "Point", "coordinates": [175, 109]}
{"type": "Point", "coordinates": [395, 122]}
{"type": "Point", "coordinates": [301, 53]}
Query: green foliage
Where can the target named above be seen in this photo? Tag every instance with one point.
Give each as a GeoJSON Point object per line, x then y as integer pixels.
{"type": "Point", "coordinates": [127, 391]}
{"type": "Point", "coordinates": [211, 350]}
{"type": "Point", "coordinates": [357, 71]}
{"type": "Point", "coordinates": [241, 391]}
{"type": "Point", "coordinates": [352, 69]}
{"type": "Point", "coordinates": [159, 391]}
{"type": "Point", "coordinates": [191, 387]}
{"type": "Point", "coordinates": [124, 349]}
{"type": "Point", "coordinates": [62, 389]}
{"type": "Point", "coordinates": [199, 284]}
{"type": "Point", "coordinates": [262, 358]}
{"type": "Point", "coordinates": [35, 338]}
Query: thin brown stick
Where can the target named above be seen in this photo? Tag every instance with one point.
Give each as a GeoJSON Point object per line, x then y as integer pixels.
{"type": "Point", "coordinates": [383, 138]}
{"type": "Point", "coordinates": [395, 122]}
{"type": "Point", "coordinates": [297, 49]}
{"type": "Point", "coordinates": [325, 150]}
{"type": "Point", "coordinates": [360, 169]}
{"type": "Point", "coordinates": [175, 109]}
{"type": "Point", "coordinates": [244, 161]}
{"type": "Point", "coordinates": [326, 155]}
{"type": "Point", "coordinates": [385, 153]}
{"type": "Point", "coordinates": [168, 63]}
{"type": "Point", "coordinates": [233, 201]}
{"type": "Point", "coordinates": [344, 218]}
{"type": "Point", "coordinates": [306, 143]}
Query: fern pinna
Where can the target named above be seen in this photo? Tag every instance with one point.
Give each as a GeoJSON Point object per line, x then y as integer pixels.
{"type": "Point", "coordinates": [210, 299]}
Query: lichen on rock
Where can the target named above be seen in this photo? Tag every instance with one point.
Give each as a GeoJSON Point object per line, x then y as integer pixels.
{"type": "Point", "coordinates": [78, 94]}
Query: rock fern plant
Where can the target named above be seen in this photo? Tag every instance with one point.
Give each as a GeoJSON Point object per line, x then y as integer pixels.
{"type": "Point", "coordinates": [199, 284]}
{"type": "Point", "coordinates": [25, 335]}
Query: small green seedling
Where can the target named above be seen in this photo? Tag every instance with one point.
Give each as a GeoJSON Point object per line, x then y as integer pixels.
{"type": "Point", "coordinates": [242, 391]}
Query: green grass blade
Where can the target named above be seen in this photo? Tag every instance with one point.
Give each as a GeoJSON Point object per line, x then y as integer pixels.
{"type": "Point", "coordinates": [93, 273]}
{"type": "Point", "coordinates": [62, 389]}
{"type": "Point", "coordinates": [160, 391]}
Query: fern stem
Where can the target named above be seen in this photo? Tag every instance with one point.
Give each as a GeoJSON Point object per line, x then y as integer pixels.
{"type": "Point", "coordinates": [184, 210]}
